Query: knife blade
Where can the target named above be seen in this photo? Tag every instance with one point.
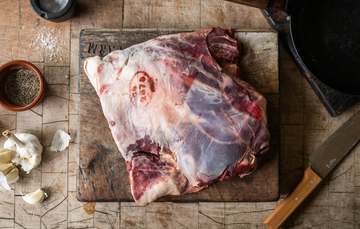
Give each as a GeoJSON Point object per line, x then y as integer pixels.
{"type": "Point", "coordinates": [322, 161]}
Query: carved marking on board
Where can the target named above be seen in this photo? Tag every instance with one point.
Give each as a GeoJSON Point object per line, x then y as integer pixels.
{"type": "Point", "coordinates": [103, 49]}
{"type": "Point", "coordinates": [92, 47]}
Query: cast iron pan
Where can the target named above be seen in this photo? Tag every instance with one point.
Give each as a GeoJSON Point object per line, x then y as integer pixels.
{"type": "Point", "coordinates": [326, 35]}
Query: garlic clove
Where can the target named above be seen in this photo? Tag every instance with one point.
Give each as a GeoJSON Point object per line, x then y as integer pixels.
{"type": "Point", "coordinates": [12, 176]}
{"type": "Point", "coordinates": [6, 168]}
{"type": "Point", "coordinates": [35, 197]}
{"type": "Point", "coordinates": [5, 155]}
{"type": "Point", "coordinates": [32, 161]}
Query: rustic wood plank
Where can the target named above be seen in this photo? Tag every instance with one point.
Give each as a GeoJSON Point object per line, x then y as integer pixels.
{"type": "Point", "coordinates": [185, 215]}
{"type": "Point", "coordinates": [291, 160]}
{"type": "Point", "coordinates": [28, 182]}
{"type": "Point", "coordinates": [49, 130]}
{"type": "Point", "coordinates": [247, 215]}
{"type": "Point", "coordinates": [60, 33]}
{"type": "Point", "coordinates": [107, 215]}
{"type": "Point", "coordinates": [53, 161]}
{"type": "Point", "coordinates": [27, 215]}
{"type": "Point", "coordinates": [7, 202]}
{"type": "Point", "coordinates": [19, 25]}
{"type": "Point", "coordinates": [183, 14]}
{"type": "Point", "coordinates": [74, 104]}
{"type": "Point", "coordinates": [57, 75]}
{"type": "Point", "coordinates": [72, 152]}
{"type": "Point", "coordinates": [158, 215]}
{"type": "Point", "coordinates": [315, 114]}
{"type": "Point", "coordinates": [357, 207]}
{"type": "Point", "coordinates": [341, 213]}
{"type": "Point", "coordinates": [316, 208]}
{"type": "Point", "coordinates": [110, 14]}
{"type": "Point", "coordinates": [72, 177]}
{"type": "Point", "coordinates": [226, 14]}
{"type": "Point", "coordinates": [357, 155]}
{"type": "Point", "coordinates": [7, 122]}
{"type": "Point", "coordinates": [30, 122]}
{"type": "Point", "coordinates": [74, 57]}
{"type": "Point", "coordinates": [291, 90]}
{"type": "Point", "coordinates": [7, 223]}
{"type": "Point", "coordinates": [99, 150]}
{"type": "Point", "coordinates": [262, 73]}
{"type": "Point", "coordinates": [54, 212]}
{"type": "Point", "coordinates": [29, 21]}
{"type": "Point", "coordinates": [73, 127]}
{"type": "Point", "coordinates": [85, 17]}
{"type": "Point", "coordinates": [77, 217]}
{"type": "Point", "coordinates": [9, 32]}
{"type": "Point", "coordinates": [341, 178]}
{"type": "Point", "coordinates": [211, 215]}
{"type": "Point", "coordinates": [132, 215]}
{"type": "Point", "coordinates": [136, 14]}
{"type": "Point", "coordinates": [356, 152]}
{"type": "Point", "coordinates": [56, 104]}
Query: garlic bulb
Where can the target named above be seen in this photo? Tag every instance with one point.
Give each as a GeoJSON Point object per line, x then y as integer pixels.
{"type": "Point", "coordinates": [35, 197]}
{"type": "Point", "coordinates": [25, 149]}
{"type": "Point", "coordinates": [5, 155]}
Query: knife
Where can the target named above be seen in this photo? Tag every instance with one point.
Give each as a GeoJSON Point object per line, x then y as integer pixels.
{"type": "Point", "coordinates": [322, 161]}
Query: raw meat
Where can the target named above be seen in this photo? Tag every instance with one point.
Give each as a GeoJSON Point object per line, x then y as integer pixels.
{"type": "Point", "coordinates": [179, 113]}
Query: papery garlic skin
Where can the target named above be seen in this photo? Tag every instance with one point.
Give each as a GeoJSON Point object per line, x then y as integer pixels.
{"type": "Point", "coordinates": [35, 197]}
{"type": "Point", "coordinates": [26, 149]}
{"type": "Point", "coordinates": [60, 141]}
{"type": "Point", "coordinates": [3, 183]}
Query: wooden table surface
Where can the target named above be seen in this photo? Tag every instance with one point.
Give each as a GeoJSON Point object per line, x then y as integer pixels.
{"type": "Point", "coordinates": [305, 124]}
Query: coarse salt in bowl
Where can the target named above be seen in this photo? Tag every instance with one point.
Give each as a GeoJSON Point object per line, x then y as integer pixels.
{"type": "Point", "coordinates": [5, 71]}
{"type": "Point", "coordinates": [54, 10]}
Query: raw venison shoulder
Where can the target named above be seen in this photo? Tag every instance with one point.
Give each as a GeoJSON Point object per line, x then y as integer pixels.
{"type": "Point", "coordinates": [179, 113]}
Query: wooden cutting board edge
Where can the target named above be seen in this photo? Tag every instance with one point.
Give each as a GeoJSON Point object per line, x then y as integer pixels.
{"type": "Point", "coordinates": [274, 197]}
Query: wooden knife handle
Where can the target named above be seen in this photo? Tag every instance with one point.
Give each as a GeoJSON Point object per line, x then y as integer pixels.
{"type": "Point", "coordinates": [306, 186]}
{"type": "Point", "coordinates": [263, 4]}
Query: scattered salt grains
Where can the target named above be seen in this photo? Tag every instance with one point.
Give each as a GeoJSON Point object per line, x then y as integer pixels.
{"type": "Point", "coordinates": [67, 77]}
{"type": "Point", "coordinates": [48, 41]}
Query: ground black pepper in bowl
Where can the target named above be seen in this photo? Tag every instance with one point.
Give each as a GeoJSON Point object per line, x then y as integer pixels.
{"type": "Point", "coordinates": [22, 86]}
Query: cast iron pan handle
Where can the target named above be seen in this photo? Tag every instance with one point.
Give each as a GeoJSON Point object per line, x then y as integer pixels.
{"type": "Point", "coordinates": [264, 4]}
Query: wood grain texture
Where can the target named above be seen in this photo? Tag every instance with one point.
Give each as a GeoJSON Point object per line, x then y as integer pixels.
{"type": "Point", "coordinates": [299, 138]}
{"type": "Point", "coordinates": [101, 172]}
{"type": "Point", "coordinates": [262, 4]}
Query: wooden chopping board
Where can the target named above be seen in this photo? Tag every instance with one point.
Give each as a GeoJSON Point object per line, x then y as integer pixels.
{"type": "Point", "coordinates": [101, 170]}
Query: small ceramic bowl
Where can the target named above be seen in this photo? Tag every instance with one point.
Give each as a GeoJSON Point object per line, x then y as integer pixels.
{"type": "Point", "coordinates": [4, 72]}
{"type": "Point", "coordinates": [63, 15]}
